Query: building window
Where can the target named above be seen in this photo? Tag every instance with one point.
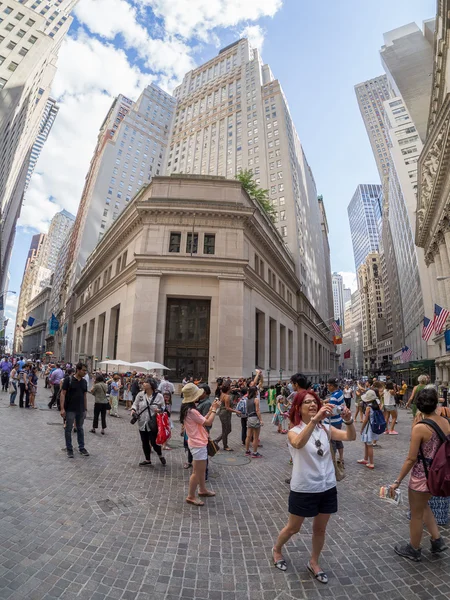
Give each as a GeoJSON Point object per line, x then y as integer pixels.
{"type": "Point", "coordinates": [284, 231]}
{"type": "Point", "coordinates": [30, 23]}
{"type": "Point", "coordinates": [12, 66]}
{"type": "Point", "coordinates": [32, 39]}
{"type": "Point", "coordinates": [2, 83]}
{"type": "Point", "coordinates": [9, 27]}
{"type": "Point", "coordinates": [20, 33]}
{"type": "Point", "coordinates": [192, 247]}
{"type": "Point", "coordinates": [8, 10]}
{"type": "Point", "coordinates": [11, 45]}
{"type": "Point", "coordinates": [23, 51]}
{"type": "Point", "coordinates": [209, 243]}
{"type": "Point", "coordinates": [175, 242]}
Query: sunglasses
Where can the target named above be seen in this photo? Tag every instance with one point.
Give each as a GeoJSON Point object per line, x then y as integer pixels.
{"type": "Point", "coordinates": [319, 447]}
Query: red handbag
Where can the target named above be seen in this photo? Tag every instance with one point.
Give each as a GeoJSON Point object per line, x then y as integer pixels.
{"type": "Point", "coordinates": [163, 428]}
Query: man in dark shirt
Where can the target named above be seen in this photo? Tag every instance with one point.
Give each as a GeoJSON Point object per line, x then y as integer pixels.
{"type": "Point", "coordinates": [73, 407]}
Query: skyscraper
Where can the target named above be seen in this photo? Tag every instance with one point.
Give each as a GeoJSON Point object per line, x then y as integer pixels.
{"type": "Point", "coordinates": [338, 298]}
{"type": "Point", "coordinates": [232, 115]}
{"type": "Point", "coordinates": [415, 289]}
{"type": "Point", "coordinates": [41, 263]}
{"type": "Point", "coordinates": [364, 214]}
{"type": "Point", "coordinates": [130, 149]}
{"type": "Point", "coordinates": [407, 58]}
{"type": "Point", "coordinates": [59, 230]}
{"type": "Point", "coordinates": [370, 96]}
{"type": "Point", "coordinates": [48, 118]}
{"type": "Point", "coordinates": [30, 38]}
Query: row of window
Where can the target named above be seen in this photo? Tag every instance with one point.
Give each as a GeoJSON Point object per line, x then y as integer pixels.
{"type": "Point", "coordinates": [209, 243]}
{"type": "Point", "coordinates": [272, 280]}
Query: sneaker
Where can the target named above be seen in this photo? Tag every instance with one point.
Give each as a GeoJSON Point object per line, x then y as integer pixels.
{"type": "Point", "coordinates": [247, 453]}
{"type": "Point", "coordinates": [163, 461]}
{"type": "Point", "coordinates": [256, 455]}
{"type": "Point", "coordinates": [407, 551]}
{"type": "Point", "coordinates": [69, 453]}
{"type": "Point", "coordinates": [393, 432]}
{"type": "Point", "coordinates": [438, 546]}
{"type": "Point", "coordinates": [84, 452]}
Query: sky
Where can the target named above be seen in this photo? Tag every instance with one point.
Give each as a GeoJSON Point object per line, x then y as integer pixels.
{"type": "Point", "coordinates": [318, 51]}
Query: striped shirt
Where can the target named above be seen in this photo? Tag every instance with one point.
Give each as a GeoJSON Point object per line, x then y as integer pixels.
{"type": "Point", "coordinates": [336, 398]}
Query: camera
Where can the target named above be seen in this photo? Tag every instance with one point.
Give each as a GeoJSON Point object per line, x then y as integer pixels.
{"type": "Point", "coordinates": [133, 419]}
{"type": "Point", "coordinates": [337, 410]}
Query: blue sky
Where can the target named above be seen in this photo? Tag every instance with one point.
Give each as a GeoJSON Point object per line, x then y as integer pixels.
{"type": "Point", "coordinates": [318, 51]}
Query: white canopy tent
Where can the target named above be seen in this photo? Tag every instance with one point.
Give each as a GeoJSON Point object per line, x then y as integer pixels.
{"type": "Point", "coordinates": [113, 363]}
{"type": "Point", "coordinates": [148, 366]}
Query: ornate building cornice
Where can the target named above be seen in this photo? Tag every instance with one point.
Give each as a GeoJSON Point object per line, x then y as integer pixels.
{"type": "Point", "coordinates": [433, 171]}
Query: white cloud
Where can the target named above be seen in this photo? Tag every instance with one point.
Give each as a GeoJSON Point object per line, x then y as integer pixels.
{"type": "Point", "coordinates": [109, 18]}
{"type": "Point", "coordinates": [92, 71]}
{"type": "Point", "coordinates": [255, 35]}
{"type": "Point", "coordinates": [85, 96]}
{"type": "Point", "coordinates": [196, 18]}
{"type": "Point", "coordinates": [349, 280]}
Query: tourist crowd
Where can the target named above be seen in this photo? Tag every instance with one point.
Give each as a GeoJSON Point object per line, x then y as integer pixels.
{"type": "Point", "coordinates": [316, 419]}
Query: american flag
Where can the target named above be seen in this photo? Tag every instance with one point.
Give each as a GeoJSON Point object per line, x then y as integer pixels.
{"type": "Point", "coordinates": [406, 354]}
{"type": "Point", "coordinates": [440, 317]}
{"type": "Point", "coordinates": [336, 326]}
{"type": "Point", "coordinates": [427, 329]}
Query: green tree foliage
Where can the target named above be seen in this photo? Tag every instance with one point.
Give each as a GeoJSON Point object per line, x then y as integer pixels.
{"type": "Point", "coordinates": [247, 180]}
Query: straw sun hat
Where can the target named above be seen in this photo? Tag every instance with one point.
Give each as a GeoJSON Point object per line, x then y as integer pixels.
{"type": "Point", "coordinates": [191, 393]}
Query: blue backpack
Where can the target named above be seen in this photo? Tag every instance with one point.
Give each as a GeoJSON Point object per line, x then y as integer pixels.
{"type": "Point", "coordinates": [378, 424]}
{"type": "Point", "coordinates": [242, 407]}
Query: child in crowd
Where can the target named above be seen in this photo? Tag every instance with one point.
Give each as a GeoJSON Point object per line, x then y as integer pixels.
{"type": "Point", "coordinates": [371, 403]}
{"type": "Point", "coordinates": [279, 418]}
{"type": "Point", "coordinates": [127, 395]}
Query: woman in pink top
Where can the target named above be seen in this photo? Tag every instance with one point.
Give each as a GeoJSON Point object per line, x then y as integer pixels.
{"type": "Point", "coordinates": [194, 424]}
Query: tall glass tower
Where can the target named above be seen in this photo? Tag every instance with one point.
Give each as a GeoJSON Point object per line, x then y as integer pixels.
{"type": "Point", "coordinates": [364, 215]}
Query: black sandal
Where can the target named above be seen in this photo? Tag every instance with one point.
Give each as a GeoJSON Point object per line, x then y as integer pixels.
{"type": "Point", "coordinates": [320, 576]}
{"type": "Point", "coordinates": [279, 564]}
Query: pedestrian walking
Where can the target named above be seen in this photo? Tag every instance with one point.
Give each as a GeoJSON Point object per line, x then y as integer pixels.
{"type": "Point", "coordinates": [101, 403]}
{"type": "Point", "coordinates": [313, 484]}
{"type": "Point", "coordinates": [367, 435]}
{"type": "Point", "coordinates": [348, 393]}
{"type": "Point", "coordinates": [336, 400]}
{"type": "Point", "coordinates": [424, 444]}
{"type": "Point", "coordinates": [422, 382]}
{"type": "Point", "coordinates": [5, 370]}
{"type": "Point", "coordinates": [24, 386]}
{"type": "Point", "coordinates": [225, 412]}
{"type": "Point", "coordinates": [194, 423]}
{"type": "Point", "coordinates": [148, 403]}
{"type": "Point", "coordinates": [254, 423]}
{"type": "Point", "coordinates": [390, 408]}
{"type": "Point", "coordinates": [271, 399]}
{"type": "Point", "coordinates": [55, 378]}
{"type": "Point", "coordinates": [115, 386]}
{"type": "Point", "coordinates": [13, 382]}
{"type": "Point", "coordinates": [73, 402]}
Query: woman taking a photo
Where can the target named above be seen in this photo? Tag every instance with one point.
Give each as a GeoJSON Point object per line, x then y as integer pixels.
{"type": "Point", "coordinates": [313, 483]}
{"type": "Point", "coordinates": [423, 438]}
{"type": "Point", "coordinates": [147, 404]}
{"type": "Point", "coordinates": [194, 424]}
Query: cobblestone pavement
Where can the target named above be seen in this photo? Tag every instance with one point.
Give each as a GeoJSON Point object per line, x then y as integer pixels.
{"type": "Point", "coordinates": [104, 528]}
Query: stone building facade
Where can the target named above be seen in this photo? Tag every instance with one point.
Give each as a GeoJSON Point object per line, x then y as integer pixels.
{"type": "Point", "coordinates": [433, 205]}
{"type": "Point", "coordinates": [194, 274]}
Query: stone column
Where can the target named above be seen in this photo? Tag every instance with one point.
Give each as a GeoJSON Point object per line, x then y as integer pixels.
{"type": "Point", "coordinates": [444, 371]}
{"type": "Point", "coordinates": [230, 347]}
{"type": "Point", "coordinates": [144, 322]}
{"type": "Point", "coordinates": [445, 272]}
{"type": "Point", "coordinates": [440, 291]}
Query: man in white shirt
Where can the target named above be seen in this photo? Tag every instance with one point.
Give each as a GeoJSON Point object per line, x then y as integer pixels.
{"type": "Point", "coordinates": [166, 386]}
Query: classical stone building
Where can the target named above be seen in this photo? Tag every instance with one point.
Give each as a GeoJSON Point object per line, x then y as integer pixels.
{"type": "Point", "coordinates": [34, 335]}
{"type": "Point", "coordinates": [194, 274]}
{"type": "Point", "coordinates": [433, 205]}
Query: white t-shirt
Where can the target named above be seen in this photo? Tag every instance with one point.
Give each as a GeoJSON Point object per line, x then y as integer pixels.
{"type": "Point", "coordinates": [348, 393]}
{"type": "Point", "coordinates": [312, 473]}
{"type": "Point", "coordinates": [389, 399]}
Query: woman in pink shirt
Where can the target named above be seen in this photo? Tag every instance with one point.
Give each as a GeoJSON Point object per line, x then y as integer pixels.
{"type": "Point", "coordinates": [194, 424]}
